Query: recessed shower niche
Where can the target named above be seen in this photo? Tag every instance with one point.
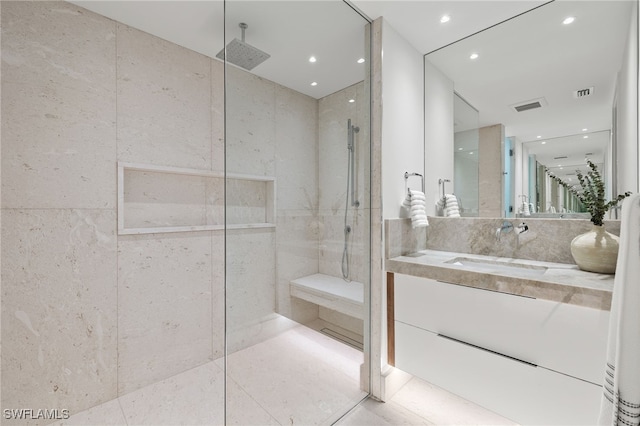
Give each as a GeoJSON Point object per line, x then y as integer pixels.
{"type": "Point", "coordinates": [156, 199]}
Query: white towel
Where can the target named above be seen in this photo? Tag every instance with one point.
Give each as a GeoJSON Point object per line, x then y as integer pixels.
{"type": "Point", "coordinates": [620, 403]}
{"type": "Point", "coordinates": [525, 209]}
{"type": "Point", "coordinates": [407, 202]}
{"type": "Point", "coordinates": [451, 208]}
{"type": "Point", "coordinates": [417, 209]}
{"type": "Point", "coordinates": [440, 207]}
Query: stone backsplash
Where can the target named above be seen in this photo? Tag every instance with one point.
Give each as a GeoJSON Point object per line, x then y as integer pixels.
{"type": "Point", "coordinates": [546, 240]}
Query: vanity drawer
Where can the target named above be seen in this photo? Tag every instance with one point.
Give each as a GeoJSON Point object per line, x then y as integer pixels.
{"type": "Point", "coordinates": [566, 338]}
{"type": "Point", "coordinates": [521, 392]}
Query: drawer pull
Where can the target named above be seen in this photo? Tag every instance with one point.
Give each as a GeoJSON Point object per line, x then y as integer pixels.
{"type": "Point", "coordinates": [487, 350]}
{"type": "Point", "coordinates": [488, 289]}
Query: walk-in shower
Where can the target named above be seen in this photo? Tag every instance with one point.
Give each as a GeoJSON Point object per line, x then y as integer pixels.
{"type": "Point", "coordinates": [351, 200]}
{"type": "Point", "coordinates": [147, 273]}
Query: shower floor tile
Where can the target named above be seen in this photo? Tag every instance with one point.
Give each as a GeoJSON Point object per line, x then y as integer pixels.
{"type": "Point", "coordinates": [298, 377]}
{"type": "Point", "coordinates": [302, 376]}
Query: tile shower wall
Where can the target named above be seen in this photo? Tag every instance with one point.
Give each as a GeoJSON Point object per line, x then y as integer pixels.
{"type": "Point", "coordinates": [334, 110]}
{"type": "Point", "coordinates": [165, 282]}
{"type": "Point", "coordinates": [59, 252]}
{"type": "Point", "coordinates": [298, 222]}
{"type": "Point", "coordinates": [88, 315]}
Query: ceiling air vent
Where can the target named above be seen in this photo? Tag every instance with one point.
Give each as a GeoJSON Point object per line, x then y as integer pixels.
{"type": "Point", "coordinates": [529, 105]}
{"type": "Point", "coordinates": [583, 93]}
{"type": "Point", "coordinates": [560, 158]}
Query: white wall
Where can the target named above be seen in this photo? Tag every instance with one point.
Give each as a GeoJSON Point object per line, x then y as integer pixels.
{"type": "Point", "coordinates": [438, 135]}
{"type": "Point", "coordinates": [402, 125]}
{"type": "Point", "coordinates": [628, 155]}
{"type": "Point", "coordinates": [402, 144]}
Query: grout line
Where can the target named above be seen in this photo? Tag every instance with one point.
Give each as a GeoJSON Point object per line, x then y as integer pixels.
{"type": "Point", "coordinates": [117, 31]}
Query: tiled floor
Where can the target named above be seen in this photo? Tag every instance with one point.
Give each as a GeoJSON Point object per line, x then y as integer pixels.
{"type": "Point", "coordinates": [298, 377]}
{"type": "Point", "coordinates": [420, 403]}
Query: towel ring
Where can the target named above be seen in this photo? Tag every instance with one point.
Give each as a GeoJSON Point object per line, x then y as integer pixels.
{"type": "Point", "coordinates": [407, 175]}
{"type": "Point", "coordinates": [442, 182]}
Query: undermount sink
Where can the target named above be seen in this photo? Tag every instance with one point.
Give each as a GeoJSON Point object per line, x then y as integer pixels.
{"type": "Point", "coordinates": [497, 266]}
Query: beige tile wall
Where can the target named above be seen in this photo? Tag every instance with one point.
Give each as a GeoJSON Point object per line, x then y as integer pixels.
{"type": "Point", "coordinates": [59, 308]}
{"type": "Point", "coordinates": [334, 110]}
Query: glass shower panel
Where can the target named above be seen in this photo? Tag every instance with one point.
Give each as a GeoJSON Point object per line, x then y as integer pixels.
{"type": "Point", "coordinates": [297, 211]}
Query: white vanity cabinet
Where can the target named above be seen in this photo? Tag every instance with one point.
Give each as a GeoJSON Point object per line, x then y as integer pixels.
{"type": "Point", "coordinates": [531, 360]}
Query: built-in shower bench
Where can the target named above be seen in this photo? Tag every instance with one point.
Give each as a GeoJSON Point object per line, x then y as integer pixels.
{"type": "Point", "coordinates": [330, 292]}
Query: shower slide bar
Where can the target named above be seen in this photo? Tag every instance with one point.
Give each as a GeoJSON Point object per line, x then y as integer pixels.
{"type": "Point", "coordinates": [351, 129]}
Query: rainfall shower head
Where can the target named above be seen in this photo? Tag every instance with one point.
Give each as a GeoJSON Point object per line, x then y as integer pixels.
{"type": "Point", "coordinates": [242, 54]}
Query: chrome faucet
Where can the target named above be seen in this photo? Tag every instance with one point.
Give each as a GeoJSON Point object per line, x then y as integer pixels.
{"type": "Point", "coordinates": [504, 229]}
{"type": "Point", "coordinates": [522, 228]}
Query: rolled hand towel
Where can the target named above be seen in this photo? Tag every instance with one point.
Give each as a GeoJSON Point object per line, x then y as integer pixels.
{"type": "Point", "coordinates": [451, 208]}
{"type": "Point", "coordinates": [406, 202]}
{"type": "Point", "coordinates": [418, 210]}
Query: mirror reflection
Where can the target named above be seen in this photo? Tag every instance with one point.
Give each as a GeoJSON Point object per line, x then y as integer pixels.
{"type": "Point", "coordinates": [562, 157]}
{"type": "Point", "coordinates": [544, 79]}
{"type": "Point", "coordinates": [465, 156]}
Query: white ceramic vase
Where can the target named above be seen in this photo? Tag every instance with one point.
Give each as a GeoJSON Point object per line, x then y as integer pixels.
{"type": "Point", "coordinates": [596, 251]}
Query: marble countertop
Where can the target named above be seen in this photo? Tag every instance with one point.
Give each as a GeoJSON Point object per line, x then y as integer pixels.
{"type": "Point", "coordinates": [558, 282]}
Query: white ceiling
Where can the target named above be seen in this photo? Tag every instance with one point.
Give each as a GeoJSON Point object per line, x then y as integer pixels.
{"type": "Point", "coordinates": [291, 31]}
{"type": "Point", "coordinates": [528, 57]}
{"type": "Point", "coordinates": [418, 21]}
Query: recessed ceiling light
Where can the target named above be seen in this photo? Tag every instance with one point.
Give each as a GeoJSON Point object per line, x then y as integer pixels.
{"type": "Point", "coordinates": [361, 60]}
{"type": "Point", "coordinates": [314, 83]}
{"type": "Point", "coordinates": [473, 56]}
{"type": "Point", "coordinates": [445, 18]}
{"type": "Point", "coordinates": [585, 137]}
{"type": "Point", "coordinates": [351, 101]}
{"type": "Point", "coordinates": [471, 153]}
{"type": "Point", "coordinates": [459, 149]}
{"type": "Point", "coordinates": [538, 137]}
{"type": "Point", "coordinates": [568, 20]}
{"type": "Point", "coordinates": [312, 59]}
{"type": "Point", "coordinates": [543, 142]}
{"type": "Point", "coordinates": [585, 129]}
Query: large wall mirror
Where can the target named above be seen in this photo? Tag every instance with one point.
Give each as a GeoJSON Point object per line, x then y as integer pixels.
{"type": "Point", "coordinates": [549, 77]}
